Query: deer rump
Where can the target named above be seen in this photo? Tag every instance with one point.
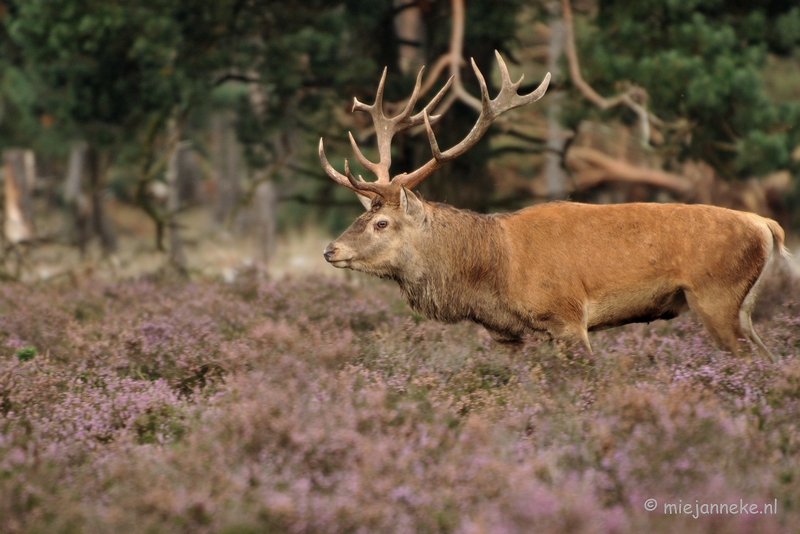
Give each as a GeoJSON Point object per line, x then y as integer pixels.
{"type": "Point", "coordinates": [574, 268]}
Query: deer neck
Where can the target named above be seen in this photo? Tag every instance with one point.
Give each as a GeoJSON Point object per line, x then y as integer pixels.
{"type": "Point", "coordinates": [460, 268]}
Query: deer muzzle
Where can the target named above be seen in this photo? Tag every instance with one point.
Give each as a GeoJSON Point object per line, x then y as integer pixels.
{"type": "Point", "coordinates": [335, 255]}
{"type": "Point", "coordinates": [329, 252]}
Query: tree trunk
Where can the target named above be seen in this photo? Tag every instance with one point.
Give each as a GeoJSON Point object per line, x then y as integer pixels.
{"type": "Point", "coordinates": [189, 175]}
{"type": "Point", "coordinates": [410, 34]}
{"type": "Point", "coordinates": [76, 199]}
{"type": "Point", "coordinates": [555, 177]}
{"type": "Point", "coordinates": [227, 166]}
{"type": "Point", "coordinates": [177, 257]}
{"type": "Point", "coordinates": [19, 170]}
{"type": "Point", "coordinates": [97, 165]}
{"type": "Point", "coordinates": [265, 201]}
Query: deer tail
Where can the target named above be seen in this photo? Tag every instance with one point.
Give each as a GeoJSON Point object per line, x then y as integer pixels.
{"type": "Point", "coordinates": [779, 237]}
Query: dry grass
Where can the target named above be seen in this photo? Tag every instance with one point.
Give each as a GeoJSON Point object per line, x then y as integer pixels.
{"type": "Point", "coordinates": [212, 251]}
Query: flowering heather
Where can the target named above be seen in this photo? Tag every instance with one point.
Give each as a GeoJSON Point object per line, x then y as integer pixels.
{"type": "Point", "coordinates": [310, 405]}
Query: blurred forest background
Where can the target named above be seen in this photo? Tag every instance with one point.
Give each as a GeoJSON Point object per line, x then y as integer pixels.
{"type": "Point", "coordinates": [182, 134]}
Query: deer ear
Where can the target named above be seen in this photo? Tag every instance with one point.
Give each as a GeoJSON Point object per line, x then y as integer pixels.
{"type": "Point", "coordinates": [365, 201]}
{"type": "Point", "coordinates": [411, 204]}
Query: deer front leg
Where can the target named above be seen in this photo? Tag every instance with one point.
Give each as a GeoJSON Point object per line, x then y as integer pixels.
{"type": "Point", "coordinates": [570, 326]}
{"type": "Point", "coordinates": [506, 339]}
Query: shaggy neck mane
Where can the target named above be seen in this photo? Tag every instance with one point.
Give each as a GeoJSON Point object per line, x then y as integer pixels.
{"type": "Point", "coordinates": [462, 265]}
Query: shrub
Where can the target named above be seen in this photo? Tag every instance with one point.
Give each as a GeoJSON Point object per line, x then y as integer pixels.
{"type": "Point", "coordinates": [313, 405]}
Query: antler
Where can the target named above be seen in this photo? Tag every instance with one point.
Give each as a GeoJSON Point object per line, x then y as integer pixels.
{"type": "Point", "coordinates": [386, 128]}
{"type": "Point", "coordinates": [507, 99]}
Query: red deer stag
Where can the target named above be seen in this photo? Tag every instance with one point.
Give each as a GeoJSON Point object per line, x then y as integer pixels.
{"type": "Point", "coordinates": [561, 268]}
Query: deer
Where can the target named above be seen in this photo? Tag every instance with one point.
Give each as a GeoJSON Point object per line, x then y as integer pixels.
{"type": "Point", "coordinates": [559, 269]}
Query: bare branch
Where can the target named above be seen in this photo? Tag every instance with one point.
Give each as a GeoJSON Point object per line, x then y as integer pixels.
{"type": "Point", "coordinates": [235, 76]}
{"type": "Point", "coordinates": [627, 98]}
{"type": "Point", "coordinates": [453, 59]}
{"type": "Point", "coordinates": [456, 55]}
{"type": "Point", "coordinates": [592, 167]}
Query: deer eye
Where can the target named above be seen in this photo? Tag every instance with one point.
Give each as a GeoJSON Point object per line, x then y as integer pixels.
{"type": "Point", "coordinates": [380, 225]}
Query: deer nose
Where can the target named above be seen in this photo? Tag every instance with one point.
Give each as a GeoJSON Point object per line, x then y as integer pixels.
{"type": "Point", "coordinates": [330, 250]}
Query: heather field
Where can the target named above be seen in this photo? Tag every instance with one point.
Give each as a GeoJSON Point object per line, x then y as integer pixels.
{"type": "Point", "coordinates": [313, 405]}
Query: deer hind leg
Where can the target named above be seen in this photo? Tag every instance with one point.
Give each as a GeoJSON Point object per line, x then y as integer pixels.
{"type": "Point", "coordinates": [746, 322]}
{"type": "Point", "coordinates": [719, 313]}
{"type": "Point", "coordinates": [749, 301]}
{"type": "Point", "coordinates": [747, 327]}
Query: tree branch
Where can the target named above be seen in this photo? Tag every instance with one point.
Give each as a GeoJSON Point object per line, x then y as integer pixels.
{"type": "Point", "coordinates": [399, 9]}
{"type": "Point", "coordinates": [538, 149]}
{"type": "Point", "coordinates": [591, 167]}
{"type": "Point", "coordinates": [235, 76]}
{"type": "Point", "coordinates": [628, 98]}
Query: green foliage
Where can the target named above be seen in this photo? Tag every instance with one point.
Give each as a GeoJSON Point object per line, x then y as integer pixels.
{"type": "Point", "coordinates": [26, 354]}
{"type": "Point", "coordinates": [112, 72]}
{"type": "Point", "coordinates": [107, 70]}
{"type": "Point", "coordinates": [787, 30]}
{"type": "Point", "coordinates": [155, 422]}
{"type": "Point", "coordinates": [318, 55]}
{"type": "Point", "coordinates": [299, 56]}
{"type": "Point", "coordinates": [96, 69]}
{"type": "Point", "coordinates": [701, 60]}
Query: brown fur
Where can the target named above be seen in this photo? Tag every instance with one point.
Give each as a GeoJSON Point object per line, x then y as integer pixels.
{"type": "Point", "coordinates": [566, 268]}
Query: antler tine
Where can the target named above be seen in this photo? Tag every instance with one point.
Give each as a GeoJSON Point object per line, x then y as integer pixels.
{"type": "Point", "coordinates": [504, 73]}
{"type": "Point", "coordinates": [346, 179]}
{"type": "Point", "coordinates": [508, 98]}
{"type": "Point", "coordinates": [378, 104]}
{"type": "Point", "coordinates": [329, 170]}
{"type": "Point", "coordinates": [418, 119]}
{"type": "Point", "coordinates": [412, 101]}
{"type": "Point", "coordinates": [485, 99]}
{"type": "Point", "coordinates": [350, 177]}
{"type": "Point", "coordinates": [437, 154]}
{"type": "Point", "coordinates": [372, 167]}
{"type": "Point", "coordinates": [360, 186]}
